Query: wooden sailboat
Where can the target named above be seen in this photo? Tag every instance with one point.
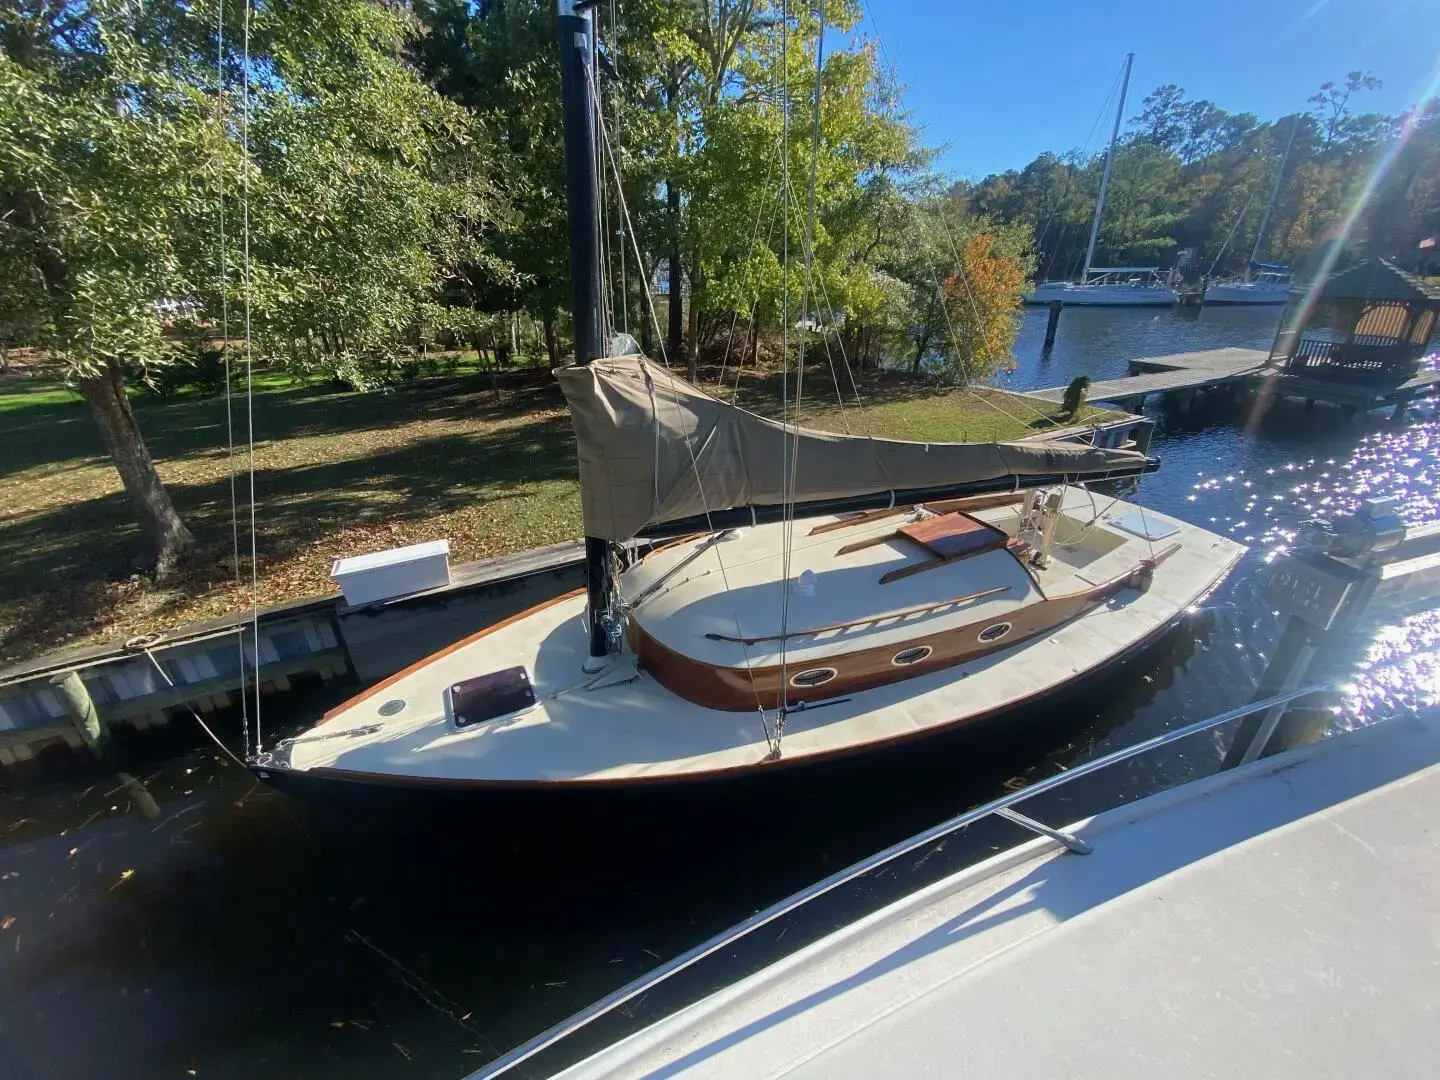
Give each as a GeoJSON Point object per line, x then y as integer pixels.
{"type": "Point", "coordinates": [825, 596]}
{"type": "Point", "coordinates": [1109, 286]}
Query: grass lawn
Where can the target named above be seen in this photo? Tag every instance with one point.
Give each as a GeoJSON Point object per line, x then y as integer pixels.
{"type": "Point", "coordinates": [336, 473]}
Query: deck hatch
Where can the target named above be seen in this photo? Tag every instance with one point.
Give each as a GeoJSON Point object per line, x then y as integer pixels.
{"type": "Point", "coordinates": [485, 697]}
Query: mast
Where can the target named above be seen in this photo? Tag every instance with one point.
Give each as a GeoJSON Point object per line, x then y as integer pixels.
{"type": "Point", "coordinates": [1109, 162]}
{"type": "Point", "coordinates": [1274, 194]}
{"type": "Point", "coordinates": [582, 193]}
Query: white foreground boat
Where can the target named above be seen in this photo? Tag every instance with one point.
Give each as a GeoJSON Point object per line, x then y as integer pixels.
{"type": "Point", "coordinates": [1273, 920]}
{"type": "Point", "coordinates": [889, 642]}
{"type": "Point", "coordinates": [876, 592]}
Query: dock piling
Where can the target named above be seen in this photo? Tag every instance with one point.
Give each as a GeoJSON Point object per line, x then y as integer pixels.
{"type": "Point", "coordinates": [73, 695]}
{"type": "Point", "coordinates": [1052, 323]}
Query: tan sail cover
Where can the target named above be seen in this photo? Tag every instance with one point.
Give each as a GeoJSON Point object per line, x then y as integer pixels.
{"type": "Point", "coordinates": [653, 448]}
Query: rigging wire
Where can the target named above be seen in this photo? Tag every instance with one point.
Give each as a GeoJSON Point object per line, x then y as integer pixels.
{"type": "Point", "coordinates": [609, 152]}
{"type": "Point", "coordinates": [808, 258]}
{"type": "Point", "coordinates": [1070, 181]}
{"type": "Point", "coordinates": [755, 305]}
{"type": "Point", "coordinates": [250, 368]}
{"type": "Point", "coordinates": [607, 310]}
{"type": "Point", "coordinates": [935, 277]}
{"type": "Point", "coordinates": [786, 492]}
{"type": "Point", "coordinates": [1230, 235]}
{"type": "Point", "coordinates": [620, 221]}
{"type": "Point", "coordinates": [754, 241]}
{"type": "Point", "coordinates": [224, 264]}
{"type": "Point", "coordinates": [204, 726]}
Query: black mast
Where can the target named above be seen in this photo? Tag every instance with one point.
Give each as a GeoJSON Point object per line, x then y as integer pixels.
{"type": "Point", "coordinates": [582, 193]}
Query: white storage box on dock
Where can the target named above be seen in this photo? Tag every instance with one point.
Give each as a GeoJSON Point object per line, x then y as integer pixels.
{"type": "Point", "coordinates": [384, 575]}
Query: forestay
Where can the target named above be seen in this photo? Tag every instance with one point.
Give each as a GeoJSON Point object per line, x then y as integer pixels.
{"type": "Point", "coordinates": [653, 448]}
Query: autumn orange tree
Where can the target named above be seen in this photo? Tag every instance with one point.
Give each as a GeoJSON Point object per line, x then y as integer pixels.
{"type": "Point", "coordinates": [982, 305]}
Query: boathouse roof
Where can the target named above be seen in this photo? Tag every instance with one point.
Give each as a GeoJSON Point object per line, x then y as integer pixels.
{"type": "Point", "coordinates": [1378, 279]}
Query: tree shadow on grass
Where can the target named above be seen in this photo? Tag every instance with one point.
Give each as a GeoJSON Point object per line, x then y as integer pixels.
{"type": "Point", "coordinates": [68, 553]}
{"type": "Point", "coordinates": [183, 426]}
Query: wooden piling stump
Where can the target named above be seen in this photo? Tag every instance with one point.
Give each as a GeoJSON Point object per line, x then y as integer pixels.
{"type": "Point", "coordinates": [74, 696]}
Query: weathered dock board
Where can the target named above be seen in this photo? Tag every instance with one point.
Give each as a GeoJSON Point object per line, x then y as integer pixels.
{"type": "Point", "coordinates": [319, 636]}
{"type": "Point", "coordinates": [1175, 371]}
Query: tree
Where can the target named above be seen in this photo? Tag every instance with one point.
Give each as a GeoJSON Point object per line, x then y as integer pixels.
{"type": "Point", "coordinates": [99, 145]}
{"type": "Point", "coordinates": [115, 146]}
{"type": "Point", "coordinates": [1331, 103]}
{"type": "Point", "coordinates": [983, 300]}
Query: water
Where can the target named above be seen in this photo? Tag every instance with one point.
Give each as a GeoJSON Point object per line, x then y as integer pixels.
{"type": "Point", "coordinates": [231, 935]}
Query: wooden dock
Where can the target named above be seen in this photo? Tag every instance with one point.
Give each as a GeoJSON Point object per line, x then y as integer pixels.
{"type": "Point", "coordinates": [1176, 371]}
{"type": "Point", "coordinates": [1199, 371]}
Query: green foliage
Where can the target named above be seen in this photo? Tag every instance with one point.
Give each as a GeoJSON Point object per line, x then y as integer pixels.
{"type": "Point", "coordinates": [366, 188]}
{"type": "Point", "coordinates": [1188, 168]}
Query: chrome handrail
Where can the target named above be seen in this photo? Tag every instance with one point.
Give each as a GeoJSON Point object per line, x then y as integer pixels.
{"type": "Point", "coordinates": [1000, 806]}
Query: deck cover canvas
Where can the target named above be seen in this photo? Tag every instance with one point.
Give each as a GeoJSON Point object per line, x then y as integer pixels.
{"type": "Point", "coordinates": [653, 448]}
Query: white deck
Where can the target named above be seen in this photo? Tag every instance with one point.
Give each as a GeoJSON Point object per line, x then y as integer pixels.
{"type": "Point", "coordinates": [622, 725]}
{"type": "Point", "coordinates": [693, 602]}
{"type": "Point", "coordinates": [1276, 920]}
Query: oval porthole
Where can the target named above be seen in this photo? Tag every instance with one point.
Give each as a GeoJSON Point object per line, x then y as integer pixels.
{"type": "Point", "coordinates": [391, 707]}
{"type": "Point", "coordinates": [995, 631]}
{"type": "Point", "coordinates": [814, 677]}
{"type": "Point", "coordinates": [912, 655]}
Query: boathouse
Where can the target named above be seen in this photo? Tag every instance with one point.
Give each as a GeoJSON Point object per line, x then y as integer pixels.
{"type": "Point", "coordinates": [1373, 323]}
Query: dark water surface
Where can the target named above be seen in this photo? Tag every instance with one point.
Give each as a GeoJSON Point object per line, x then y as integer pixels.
{"type": "Point", "coordinates": [233, 935]}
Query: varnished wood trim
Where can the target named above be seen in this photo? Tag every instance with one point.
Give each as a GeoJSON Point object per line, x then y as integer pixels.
{"type": "Point", "coordinates": [391, 680]}
{"type": "Point", "coordinates": [945, 506]}
{"type": "Point", "coordinates": [687, 538]}
{"type": "Point", "coordinates": [898, 613]}
{"type": "Point", "coordinates": [733, 689]}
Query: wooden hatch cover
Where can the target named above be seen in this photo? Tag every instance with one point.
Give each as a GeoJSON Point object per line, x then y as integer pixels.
{"type": "Point", "coordinates": [953, 536]}
{"type": "Point", "coordinates": [947, 537]}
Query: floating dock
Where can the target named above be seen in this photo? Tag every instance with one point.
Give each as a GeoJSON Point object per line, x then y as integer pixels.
{"type": "Point", "coordinates": [1194, 372]}
{"type": "Point", "coordinates": [1175, 371]}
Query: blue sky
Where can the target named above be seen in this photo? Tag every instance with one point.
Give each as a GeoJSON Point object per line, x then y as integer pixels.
{"type": "Point", "coordinates": [1000, 82]}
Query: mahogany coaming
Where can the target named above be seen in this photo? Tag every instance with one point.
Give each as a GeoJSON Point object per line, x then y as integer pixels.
{"type": "Point", "coordinates": [736, 689]}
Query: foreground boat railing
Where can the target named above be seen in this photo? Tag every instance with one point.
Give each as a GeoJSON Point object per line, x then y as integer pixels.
{"type": "Point", "coordinates": [1001, 807]}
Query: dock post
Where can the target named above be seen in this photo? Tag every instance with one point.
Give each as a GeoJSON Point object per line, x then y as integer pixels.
{"type": "Point", "coordinates": [1287, 667]}
{"type": "Point", "coordinates": [1052, 322]}
{"type": "Point", "coordinates": [1400, 407]}
{"type": "Point", "coordinates": [1142, 433]}
{"type": "Point", "coordinates": [70, 688]}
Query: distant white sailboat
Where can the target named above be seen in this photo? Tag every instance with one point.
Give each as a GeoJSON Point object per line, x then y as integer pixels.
{"type": "Point", "coordinates": [1262, 283]}
{"type": "Point", "coordinates": [1265, 284]}
{"type": "Point", "coordinates": [1109, 286]}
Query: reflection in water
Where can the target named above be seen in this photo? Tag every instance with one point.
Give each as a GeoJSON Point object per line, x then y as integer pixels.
{"type": "Point", "coordinates": [232, 935]}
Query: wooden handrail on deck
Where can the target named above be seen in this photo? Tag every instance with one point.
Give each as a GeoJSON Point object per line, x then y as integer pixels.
{"type": "Point", "coordinates": [898, 614]}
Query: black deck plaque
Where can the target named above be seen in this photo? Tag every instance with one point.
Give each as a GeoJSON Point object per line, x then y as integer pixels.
{"type": "Point", "coordinates": [487, 696]}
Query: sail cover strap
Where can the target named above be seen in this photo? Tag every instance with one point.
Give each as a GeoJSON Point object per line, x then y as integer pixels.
{"type": "Point", "coordinates": [648, 441]}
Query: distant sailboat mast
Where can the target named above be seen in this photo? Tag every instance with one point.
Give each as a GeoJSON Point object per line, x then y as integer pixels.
{"type": "Point", "coordinates": [1109, 163]}
{"type": "Point", "coordinates": [1274, 196]}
